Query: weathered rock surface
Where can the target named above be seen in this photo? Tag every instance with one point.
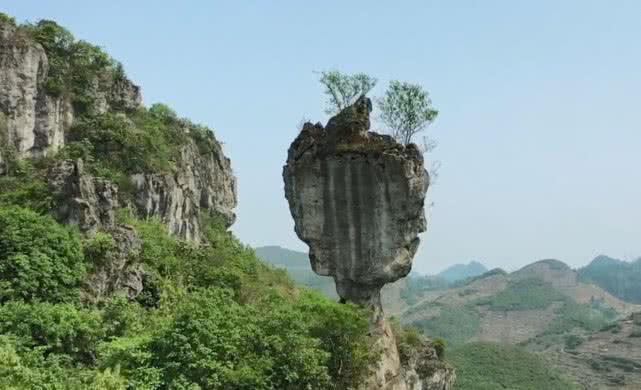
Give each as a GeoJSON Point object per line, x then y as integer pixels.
{"type": "Point", "coordinates": [120, 272]}
{"type": "Point", "coordinates": [203, 182]}
{"type": "Point", "coordinates": [89, 203]}
{"type": "Point", "coordinates": [357, 200]}
{"type": "Point", "coordinates": [81, 199]}
{"type": "Point", "coordinates": [35, 122]}
{"type": "Point", "coordinates": [423, 369]}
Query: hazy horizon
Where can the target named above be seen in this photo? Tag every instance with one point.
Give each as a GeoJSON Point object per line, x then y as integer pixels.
{"type": "Point", "coordinates": [538, 129]}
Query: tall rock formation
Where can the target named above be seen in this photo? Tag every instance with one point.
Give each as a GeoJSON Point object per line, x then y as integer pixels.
{"type": "Point", "coordinates": [357, 200]}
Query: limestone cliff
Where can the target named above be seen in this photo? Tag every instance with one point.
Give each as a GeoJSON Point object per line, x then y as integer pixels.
{"type": "Point", "coordinates": [357, 200]}
{"type": "Point", "coordinates": [35, 121]}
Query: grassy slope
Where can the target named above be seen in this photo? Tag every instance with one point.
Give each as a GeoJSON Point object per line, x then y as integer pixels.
{"type": "Point", "coordinates": [489, 366]}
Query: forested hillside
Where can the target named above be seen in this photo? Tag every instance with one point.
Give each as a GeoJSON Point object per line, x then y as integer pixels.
{"type": "Point", "coordinates": [620, 278]}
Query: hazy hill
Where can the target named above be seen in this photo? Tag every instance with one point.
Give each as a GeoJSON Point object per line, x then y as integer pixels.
{"type": "Point", "coordinates": [462, 271]}
{"type": "Point", "coordinates": [540, 308]}
{"type": "Point", "coordinates": [620, 278]}
{"type": "Point", "coordinates": [489, 366]}
{"type": "Point", "coordinates": [297, 265]}
{"type": "Point", "coordinates": [542, 298]}
{"type": "Point", "coordinates": [396, 296]}
{"type": "Point", "coordinates": [607, 358]}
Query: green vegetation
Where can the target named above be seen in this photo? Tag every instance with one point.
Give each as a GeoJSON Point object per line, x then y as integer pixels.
{"type": "Point", "coordinates": [219, 318]}
{"type": "Point", "coordinates": [455, 324]}
{"type": "Point", "coordinates": [406, 110]}
{"type": "Point", "coordinates": [415, 286]}
{"type": "Point", "coordinates": [573, 315]}
{"type": "Point", "coordinates": [6, 19]}
{"type": "Point", "coordinates": [342, 90]}
{"type": "Point", "coordinates": [526, 294]}
{"type": "Point", "coordinates": [572, 341]}
{"type": "Point", "coordinates": [75, 67]}
{"type": "Point", "coordinates": [481, 366]}
{"type": "Point", "coordinates": [619, 278]}
{"type": "Point", "coordinates": [39, 259]}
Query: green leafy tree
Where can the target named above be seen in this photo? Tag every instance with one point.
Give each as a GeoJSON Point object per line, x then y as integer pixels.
{"type": "Point", "coordinates": [215, 343]}
{"type": "Point", "coordinates": [406, 110]}
{"type": "Point", "coordinates": [54, 328]}
{"type": "Point", "coordinates": [39, 259]}
{"type": "Point", "coordinates": [343, 89]}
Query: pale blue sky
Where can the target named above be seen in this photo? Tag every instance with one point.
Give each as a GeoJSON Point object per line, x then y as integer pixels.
{"type": "Point", "coordinates": [539, 130]}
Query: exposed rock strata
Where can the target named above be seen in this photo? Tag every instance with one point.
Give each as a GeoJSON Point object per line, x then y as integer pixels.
{"type": "Point", "coordinates": [357, 200]}
{"type": "Point", "coordinates": [203, 182]}
{"type": "Point", "coordinates": [36, 121]}
{"type": "Point", "coordinates": [120, 272]}
{"type": "Point", "coordinates": [81, 199]}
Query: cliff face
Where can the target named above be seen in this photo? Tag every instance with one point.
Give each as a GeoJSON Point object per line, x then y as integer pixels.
{"type": "Point", "coordinates": [35, 122]}
{"type": "Point", "coordinates": [201, 183]}
{"type": "Point", "coordinates": [357, 200]}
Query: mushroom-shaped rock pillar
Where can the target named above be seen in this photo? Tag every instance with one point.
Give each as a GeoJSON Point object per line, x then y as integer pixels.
{"type": "Point", "coordinates": [357, 200]}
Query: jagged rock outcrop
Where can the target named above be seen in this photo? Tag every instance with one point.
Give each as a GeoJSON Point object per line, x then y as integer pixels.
{"type": "Point", "coordinates": [81, 199]}
{"type": "Point", "coordinates": [423, 369]}
{"type": "Point", "coordinates": [357, 200]}
{"type": "Point", "coordinates": [120, 272]}
{"type": "Point", "coordinates": [89, 203]}
{"type": "Point", "coordinates": [36, 121]}
{"type": "Point", "coordinates": [203, 182]}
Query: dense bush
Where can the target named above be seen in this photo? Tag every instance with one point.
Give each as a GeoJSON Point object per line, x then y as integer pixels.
{"type": "Point", "coordinates": [215, 343]}
{"type": "Point", "coordinates": [56, 328]}
{"type": "Point", "coordinates": [25, 186]}
{"type": "Point", "coordinates": [39, 259]}
{"type": "Point", "coordinates": [573, 315]}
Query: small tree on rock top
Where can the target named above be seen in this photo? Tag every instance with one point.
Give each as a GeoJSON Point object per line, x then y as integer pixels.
{"type": "Point", "coordinates": [406, 110]}
{"type": "Point", "coordinates": [344, 89]}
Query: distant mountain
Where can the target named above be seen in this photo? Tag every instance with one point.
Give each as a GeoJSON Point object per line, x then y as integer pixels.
{"type": "Point", "coordinates": [284, 257]}
{"type": "Point", "coordinates": [463, 271]}
{"type": "Point", "coordinates": [297, 265]}
{"type": "Point", "coordinates": [541, 299]}
{"type": "Point", "coordinates": [620, 278]}
{"type": "Point", "coordinates": [396, 296]}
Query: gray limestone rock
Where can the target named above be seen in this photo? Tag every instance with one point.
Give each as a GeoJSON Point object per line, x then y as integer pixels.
{"type": "Point", "coordinates": [120, 272]}
{"type": "Point", "coordinates": [81, 199]}
{"type": "Point", "coordinates": [357, 200]}
{"type": "Point", "coordinates": [35, 122]}
{"type": "Point", "coordinates": [202, 183]}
